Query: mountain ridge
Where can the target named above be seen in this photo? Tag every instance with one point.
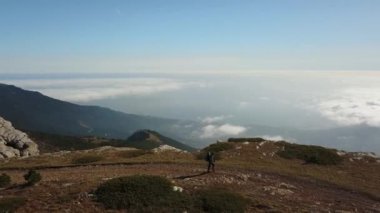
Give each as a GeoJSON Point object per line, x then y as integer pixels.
{"type": "Point", "coordinates": [33, 111]}
{"type": "Point", "coordinates": [152, 139]}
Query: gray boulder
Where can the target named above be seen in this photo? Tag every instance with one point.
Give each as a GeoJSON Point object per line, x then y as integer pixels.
{"type": "Point", "coordinates": [14, 143]}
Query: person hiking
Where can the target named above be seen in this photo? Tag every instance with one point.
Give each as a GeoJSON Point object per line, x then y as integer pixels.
{"type": "Point", "coordinates": [210, 158]}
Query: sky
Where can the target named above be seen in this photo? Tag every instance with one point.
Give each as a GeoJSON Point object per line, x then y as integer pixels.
{"type": "Point", "coordinates": [71, 36]}
{"type": "Point", "coordinates": [226, 64]}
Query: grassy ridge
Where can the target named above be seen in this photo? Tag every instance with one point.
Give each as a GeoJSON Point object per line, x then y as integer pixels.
{"type": "Point", "coordinates": [310, 154]}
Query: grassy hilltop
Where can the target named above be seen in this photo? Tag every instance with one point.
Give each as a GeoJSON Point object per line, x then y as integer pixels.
{"type": "Point", "coordinates": [269, 176]}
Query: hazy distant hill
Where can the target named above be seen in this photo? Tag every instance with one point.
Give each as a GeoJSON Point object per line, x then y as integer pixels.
{"type": "Point", "coordinates": [150, 139]}
{"type": "Point", "coordinates": [142, 139]}
{"type": "Point", "coordinates": [33, 111]}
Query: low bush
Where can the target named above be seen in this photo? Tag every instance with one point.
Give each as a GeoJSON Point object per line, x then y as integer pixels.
{"type": "Point", "coordinates": [5, 180]}
{"type": "Point", "coordinates": [220, 200]}
{"type": "Point", "coordinates": [32, 177]}
{"type": "Point", "coordinates": [133, 153]}
{"type": "Point", "coordinates": [86, 159]}
{"type": "Point", "coordinates": [11, 204]}
{"type": "Point", "coordinates": [216, 148]}
{"type": "Point", "coordinates": [142, 193]}
{"type": "Point", "coordinates": [310, 154]}
{"type": "Point", "coordinates": [241, 140]}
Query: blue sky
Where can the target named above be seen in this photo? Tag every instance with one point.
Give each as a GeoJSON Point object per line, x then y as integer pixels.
{"type": "Point", "coordinates": [306, 64]}
{"type": "Point", "coordinates": [197, 35]}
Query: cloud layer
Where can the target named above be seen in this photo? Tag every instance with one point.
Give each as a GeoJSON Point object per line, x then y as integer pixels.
{"type": "Point", "coordinates": [214, 119]}
{"type": "Point", "coordinates": [84, 90]}
{"type": "Point", "coordinates": [353, 106]}
{"type": "Point", "coordinates": [212, 131]}
{"type": "Point", "coordinates": [273, 137]}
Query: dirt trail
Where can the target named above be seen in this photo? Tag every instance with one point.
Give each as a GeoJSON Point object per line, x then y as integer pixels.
{"type": "Point", "coordinates": [69, 189]}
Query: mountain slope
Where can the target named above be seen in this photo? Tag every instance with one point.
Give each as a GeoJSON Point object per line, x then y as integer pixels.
{"type": "Point", "coordinates": [33, 111]}
{"type": "Point", "coordinates": [142, 139]}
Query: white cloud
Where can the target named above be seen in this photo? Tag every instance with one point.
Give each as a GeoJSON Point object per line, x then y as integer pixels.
{"type": "Point", "coordinates": [84, 90]}
{"type": "Point", "coordinates": [209, 120]}
{"type": "Point", "coordinates": [353, 106]}
{"type": "Point", "coordinates": [243, 104]}
{"type": "Point", "coordinates": [264, 98]}
{"type": "Point", "coordinates": [211, 131]}
{"type": "Point", "coordinates": [273, 137]}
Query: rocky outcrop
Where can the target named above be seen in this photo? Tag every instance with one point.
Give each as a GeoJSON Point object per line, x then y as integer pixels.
{"type": "Point", "coordinates": [14, 143]}
{"type": "Point", "coordinates": [163, 148]}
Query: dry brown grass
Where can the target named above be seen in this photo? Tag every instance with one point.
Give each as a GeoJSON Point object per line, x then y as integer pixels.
{"type": "Point", "coordinates": [357, 176]}
{"type": "Point", "coordinates": [105, 157]}
{"type": "Point", "coordinates": [362, 176]}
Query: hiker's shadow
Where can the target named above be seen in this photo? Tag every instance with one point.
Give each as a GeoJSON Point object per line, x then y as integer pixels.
{"type": "Point", "coordinates": [190, 176]}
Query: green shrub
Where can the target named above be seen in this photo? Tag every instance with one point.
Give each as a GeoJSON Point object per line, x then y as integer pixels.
{"type": "Point", "coordinates": [32, 177]}
{"type": "Point", "coordinates": [133, 153]}
{"type": "Point", "coordinates": [141, 193]}
{"type": "Point", "coordinates": [220, 200]}
{"type": "Point", "coordinates": [87, 159]}
{"type": "Point", "coordinates": [11, 204]}
{"type": "Point", "coordinates": [310, 154]}
{"type": "Point", "coordinates": [241, 140]}
{"type": "Point", "coordinates": [216, 148]}
{"type": "Point", "coordinates": [5, 180]}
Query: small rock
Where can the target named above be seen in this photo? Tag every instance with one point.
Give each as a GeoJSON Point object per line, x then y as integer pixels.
{"type": "Point", "coordinates": [165, 147]}
{"type": "Point", "coordinates": [67, 184]}
{"type": "Point", "coordinates": [177, 189]}
{"type": "Point", "coordinates": [106, 178]}
{"type": "Point", "coordinates": [274, 190]}
{"type": "Point", "coordinates": [341, 153]}
{"type": "Point", "coordinates": [287, 186]}
{"type": "Point", "coordinates": [14, 143]}
{"type": "Point", "coordinates": [244, 177]}
{"type": "Point", "coordinates": [284, 192]}
{"type": "Point", "coordinates": [262, 143]}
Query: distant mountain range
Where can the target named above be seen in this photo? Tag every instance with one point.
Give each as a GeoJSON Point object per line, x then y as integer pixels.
{"type": "Point", "coordinates": [33, 111]}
